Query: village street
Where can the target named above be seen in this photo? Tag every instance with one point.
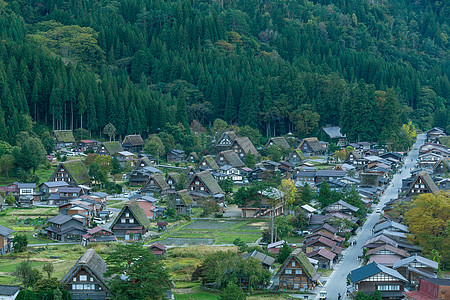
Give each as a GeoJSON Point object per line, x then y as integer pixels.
{"type": "Point", "coordinates": [336, 283]}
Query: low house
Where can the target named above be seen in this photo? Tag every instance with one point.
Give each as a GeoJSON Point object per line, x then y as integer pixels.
{"type": "Point", "coordinates": [133, 143]}
{"type": "Point", "coordinates": [126, 157]}
{"type": "Point", "coordinates": [86, 145]}
{"type": "Point", "coordinates": [391, 226]}
{"type": "Point", "coordinates": [109, 148]}
{"type": "Point", "coordinates": [242, 146]}
{"type": "Point", "coordinates": [317, 234]}
{"type": "Point", "coordinates": [63, 138]}
{"type": "Point", "coordinates": [175, 156]}
{"type": "Point", "coordinates": [65, 228]}
{"type": "Point", "coordinates": [341, 206]}
{"type": "Point", "coordinates": [6, 241]}
{"type": "Point", "coordinates": [278, 141]}
{"type": "Point", "coordinates": [321, 242]}
{"type": "Point", "coordinates": [203, 185]}
{"type": "Point", "coordinates": [98, 235]}
{"type": "Point", "coordinates": [155, 184]}
{"type": "Point", "coordinates": [50, 187]}
{"type": "Point", "coordinates": [441, 167]}
{"type": "Point", "coordinates": [86, 278]}
{"type": "Point", "coordinates": [229, 157]}
{"type": "Point", "coordinates": [73, 172]}
{"type": "Point", "coordinates": [297, 273]}
{"type": "Point", "coordinates": [296, 156]}
{"type": "Point", "coordinates": [158, 249]}
{"type": "Point", "coordinates": [180, 201]}
{"type": "Point", "coordinates": [142, 172]}
{"type": "Point", "coordinates": [421, 184]}
{"type": "Point", "coordinates": [192, 158]}
{"type": "Point", "coordinates": [275, 247]}
{"type": "Point", "coordinates": [207, 163]}
{"type": "Point", "coordinates": [64, 195]}
{"type": "Point", "coordinates": [131, 223]}
{"type": "Point", "coordinates": [415, 267]}
{"type": "Point", "coordinates": [326, 229]}
{"type": "Point", "coordinates": [262, 204]}
{"type": "Point", "coordinates": [147, 204]}
{"type": "Point", "coordinates": [434, 133]}
{"type": "Point", "coordinates": [386, 255]}
{"type": "Point", "coordinates": [162, 226]}
{"type": "Point", "coordinates": [227, 171]}
{"type": "Point", "coordinates": [375, 277]}
{"type": "Point", "coordinates": [333, 134]}
{"type": "Point", "coordinates": [430, 289]}
{"type": "Point", "coordinates": [311, 147]}
{"type": "Point", "coordinates": [225, 141]}
{"type": "Point", "coordinates": [266, 260]}
{"type": "Point", "coordinates": [324, 257]}
{"type": "Point", "coordinates": [9, 292]}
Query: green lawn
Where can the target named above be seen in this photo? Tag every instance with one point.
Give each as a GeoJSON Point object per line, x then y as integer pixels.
{"type": "Point", "coordinates": [44, 174]}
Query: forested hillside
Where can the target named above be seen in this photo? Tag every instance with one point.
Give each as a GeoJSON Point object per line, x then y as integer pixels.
{"type": "Point", "coordinates": [277, 66]}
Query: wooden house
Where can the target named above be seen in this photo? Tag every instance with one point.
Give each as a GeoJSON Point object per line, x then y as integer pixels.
{"type": "Point", "coordinates": [6, 241]}
{"type": "Point", "coordinates": [9, 292]}
{"type": "Point", "coordinates": [296, 156]}
{"type": "Point", "coordinates": [375, 277]}
{"type": "Point", "coordinates": [386, 255]}
{"type": "Point", "coordinates": [266, 260]}
{"type": "Point", "coordinates": [321, 242]}
{"type": "Point", "coordinates": [421, 184]}
{"type": "Point", "coordinates": [155, 184]}
{"type": "Point", "coordinates": [242, 146]}
{"type": "Point", "coordinates": [98, 235]}
{"type": "Point", "coordinates": [126, 157]}
{"type": "Point", "coordinates": [158, 249]}
{"type": "Point", "coordinates": [311, 147]}
{"type": "Point", "coordinates": [207, 163]}
{"type": "Point", "coordinates": [109, 148]}
{"type": "Point", "coordinates": [229, 157]}
{"type": "Point", "coordinates": [86, 279]}
{"type": "Point", "coordinates": [64, 195]}
{"type": "Point", "coordinates": [297, 273]}
{"type": "Point", "coordinates": [415, 267]}
{"type": "Point", "coordinates": [50, 187]}
{"type": "Point", "coordinates": [174, 181]}
{"type": "Point", "coordinates": [203, 185]}
{"type": "Point", "coordinates": [63, 138]}
{"type": "Point", "coordinates": [333, 134]}
{"type": "Point", "coordinates": [73, 172]}
{"type": "Point", "coordinates": [175, 156]}
{"type": "Point", "coordinates": [180, 201]}
{"type": "Point", "coordinates": [142, 172]}
{"type": "Point", "coordinates": [262, 204]}
{"type": "Point", "coordinates": [133, 143]}
{"type": "Point", "coordinates": [131, 223]}
{"type": "Point", "coordinates": [441, 167]}
{"type": "Point", "coordinates": [278, 141]}
{"type": "Point", "coordinates": [225, 141]}
{"type": "Point", "coordinates": [193, 158]}
{"type": "Point", "coordinates": [430, 289]}
{"type": "Point", "coordinates": [434, 133]}
{"type": "Point", "coordinates": [341, 206]}
{"type": "Point", "coordinates": [87, 145]}
{"type": "Point", "coordinates": [324, 257]}
{"type": "Point", "coordinates": [65, 228]}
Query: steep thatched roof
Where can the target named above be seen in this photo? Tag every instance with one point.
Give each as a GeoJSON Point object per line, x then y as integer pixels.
{"type": "Point", "coordinates": [78, 171]}
{"type": "Point", "coordinates": [113, 147]}
{"type": "Point", "coordinates": [313, 143]}
{"type": "Point", "coordinates": [426, 178]}
{"type": "Point", "coordinates": [137, 212]}
{"type": "Point", "coordinates": [64, 136]}
{"type": "Point", "coordinates": [134, 140]}
{"type": "Point", "coordinates": [279, 141]}
{"type": "Point", "coordinates": [232, 158]}
{"type": "Point", "coordinates": [246, 145]}
{"type": "Point", "coordinates": [209, 182]}
{"type": "Point", "coordinates": [184, 195]}
{"type": "Point", "coordinates": [210, 162]}
{"type": "Point", "coordinates": [302, 260]}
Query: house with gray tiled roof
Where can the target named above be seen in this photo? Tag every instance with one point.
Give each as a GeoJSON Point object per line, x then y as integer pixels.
{"type": "Point", "coordinates": [86, 278]}
{"type": "Point", "coordinates": [6, 243]}
{"type": "Point", "coordinates": [65, 228]}
{"type": "Point", "coordinates": [9, 292]}
{"type": "Point", "coordinates": [266, 260]}
{"type": "Point", "coordinates": [416, 266]}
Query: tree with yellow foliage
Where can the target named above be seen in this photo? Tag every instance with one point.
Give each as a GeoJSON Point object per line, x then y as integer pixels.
{"type": "Point", "coordinates": [288, 190]}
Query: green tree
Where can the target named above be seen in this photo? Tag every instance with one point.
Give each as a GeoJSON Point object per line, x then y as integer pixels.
{"type": "Point", "coordinates": [110, 130]}
{"type": "Point", "coordinates": [285, 252]}
{"type": "Point", "coordinates": [232, 292]}
{"type": "Point", "coordinates": [20, 243]}
{"type": "Point", "coordinates": [10, 200]}
{"type": "Point", "coordinates": [26, 274]}
{"type": "Point", "coordinates": [250, 160]}
{"type": "Point", "coordinates": [226, 185]}
{"type": "Point", "coordinates": [31, 154]}
{"type": "Point", "coordinates": [48, 268]}
{"type": "Point", "coordinates": [283, 227]}
{"type": "Point", "coordinates": [146, 277]}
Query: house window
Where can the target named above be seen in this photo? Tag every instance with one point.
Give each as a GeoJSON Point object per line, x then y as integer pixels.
{"type": "Point", "coordinates": [298, 271]}
{"type": "Point", "coordinates": [83, 277]}
{"type": "Point", "coordinates": [221, 158]}
{"type": "Point", "coordinates": [122, 220]}
{"type": "Point", "coordinates": [295, 285]}
{"type": "Point", "coordinates": [202, 188]}
{"type": "Point", "coordinates": [197, 182]}
{"type": "Point", "coordinates": [389, 287]}
{"type": "Point", "coordinates": [288, 271]}
{"type": "Point", "coordinates": [293, 263]}
{"type": "Point", "coordinates": [131, 221]}
{"type": "Point", "coordinates": [74, 279]}
{"type": "Point", "coordinates": [91, 279]}
{"type": "Point", "coordinates": [127, 215]}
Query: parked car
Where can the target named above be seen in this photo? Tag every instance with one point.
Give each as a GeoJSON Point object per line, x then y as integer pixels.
{"type": "Point", "coordinates": [99, 221]}
{"type": "Point", "coordinates": [378, 210]}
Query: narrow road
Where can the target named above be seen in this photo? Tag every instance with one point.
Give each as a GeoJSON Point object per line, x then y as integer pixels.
{"type": "Point", "coordinates": [337, 282]}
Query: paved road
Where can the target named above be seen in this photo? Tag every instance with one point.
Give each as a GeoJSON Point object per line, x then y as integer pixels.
{"type": "Point", "coordinates": [337, 281]}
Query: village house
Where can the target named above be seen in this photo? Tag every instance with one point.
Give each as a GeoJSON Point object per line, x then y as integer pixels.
{"type": "Point", "coordinates": [324, 257]}
{"type": "Point", "coordinates": [375, 277]}
{"type": "Point", "coordinates": [297, 273]}
{"type": "Point", "coordinates": [6, 241]}
{"type": "Point", "coordinates": [64, 195]}
{"type": "Point", "coordinates": [415, 267]}
{"type": "Point", "coordinates": [296, 156]}
{"type": "Point", "coordinates": [203, 185]}
{"type": "Point", "coordinates": [386, 255]}
{"type": "Point", "coordinates": [133, 143]}
{"type": "Point", "coordinates": [333, 134]}
{"type": "Point", "coordinates": [131, 223]}
{"type": "Point", "coordinates": [175, 156]}
{"type": "Point", "coordinates": [434, 133]}
{"type": "Point", "coordinates": [430, 289]}
{"type": "Point", "coordinates": [126, 157]}
{"type": "Point", "coordinates": [174, 181]}
{"type": "Point", "coordinates": [98, 235]}
{"type": "Point", "coordinates": [192, 158]}
{"type": "Point", "coordinates": [50, 187]}
{"type": "Point", "coordinates": [63, 138]}
{"type": "Point", "coordinates": [341, 206]}
{"type": "Point", "coordinates": [155, 184]}
{"type": "Point", "coordinates": [73, 172]}
{"type": "Point", "coordinates": [207, 163]}
{"type": "Point", "coordinates": [65, 228]}
{"type": "Point", "coordinates": [441, 167]}
{"type": "Point", "coordinates": [421, 184]}
{"type": "Point", "coordinates": [266, 260]}
{"type": "Point", "coordinates": [278, 141]}
{"type": "Point", "coordinates": [229, 157]}
{"type": "Point", "coordinates": [86, 278]}
{"type": "Point", "coordinates": [242, 146]}
{"type": "Point", "coordinates": [225, 141]}
{"type": "Point", "coordinates": [9, 292]}
{"type": "Point", "coordinates": [391, 226]}
{"type": "Point", "coordinates": [109, 148]}
{"type": "Point", "coordinates": [311, 147]}
{"type": "Point", "coordinates": [262, 204]}
{"type": "Point", "coordinates": [321, 242]}
{"type": "Point", "coordinates": [87, 145]}
{"type": "Point", "coordinates": [158, 249]}
{"type": "Point", "coordinates": [142, 172]}
{"type": "Point", "coordinates": [180, 201]}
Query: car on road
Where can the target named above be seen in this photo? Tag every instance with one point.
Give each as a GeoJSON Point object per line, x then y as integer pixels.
{"type": "Point", "coordinates": [323, 295]}
{"type": "Point", "coordinates": [99, 221]}
{"type": "Point", "coordinates": [378, 210]}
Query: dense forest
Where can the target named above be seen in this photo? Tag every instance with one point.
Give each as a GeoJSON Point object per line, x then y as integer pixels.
{"type": "Point", "coordinates": [274, 65]}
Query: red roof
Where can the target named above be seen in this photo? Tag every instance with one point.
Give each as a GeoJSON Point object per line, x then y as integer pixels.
{"type": "Point", "coordinates": [417, 295]}
{"type": "Point", "coordinates": [161, 223]}
{"type": "Point", "coordinates": [322, 240]}
{"type": "Point", "coordinates": [322, 252]}
{"type": "Point", "coordinates": [274, 250]}
{"type": "Point", "coordinates": [86, 141]}
{"type": "Point", "coordinates": [158, 246]}
{"type": "Point", "coordinates": [97, 229]}
{"type": "Point", "coordinates": [327, 235]}
{"type": "Point", "coordinates": [146, 207]}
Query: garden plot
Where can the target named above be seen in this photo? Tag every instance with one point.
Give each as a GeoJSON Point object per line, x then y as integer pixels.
{"type": "Point", "coordinates": [186, 241]}
{"type": "Point", "coordinates": [211, 225]}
